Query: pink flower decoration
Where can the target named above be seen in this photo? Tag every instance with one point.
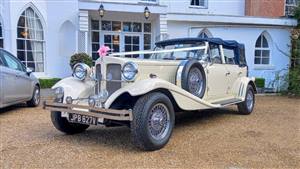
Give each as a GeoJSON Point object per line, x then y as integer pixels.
{"type": "Point", "coordinates": [103, 51]}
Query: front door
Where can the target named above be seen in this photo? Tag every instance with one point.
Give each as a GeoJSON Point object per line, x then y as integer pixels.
{"type": "Point", "coordinates": [132, 43]}
{"type": "Point", "coordinates": [235, 71]}
{"type": "Point", "coordinates": [217, 82]}
{"type": "Point", "coordinates": [17, 83]}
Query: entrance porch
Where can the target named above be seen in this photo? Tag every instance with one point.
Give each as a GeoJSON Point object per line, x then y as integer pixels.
{"type": "Point", "coordinates": [123, 31]}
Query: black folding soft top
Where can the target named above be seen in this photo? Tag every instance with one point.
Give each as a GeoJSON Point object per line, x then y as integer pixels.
{"type": "Point", "coordinates": [219, 41]}
{"type": "Point", "coordinates": [239, 49]}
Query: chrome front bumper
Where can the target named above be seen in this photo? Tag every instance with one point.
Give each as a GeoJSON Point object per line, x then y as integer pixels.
{"type": "Point", "coordinates": [109, 114]}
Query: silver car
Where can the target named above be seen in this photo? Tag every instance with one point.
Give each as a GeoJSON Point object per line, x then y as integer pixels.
{"type": "Point", "coordinates": [17, 83]}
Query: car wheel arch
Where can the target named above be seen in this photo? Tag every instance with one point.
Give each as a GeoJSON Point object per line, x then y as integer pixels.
{"type": "Point", "coordinates": [251, 83]}
{"type": "Point", "coordinates": [127, 96]}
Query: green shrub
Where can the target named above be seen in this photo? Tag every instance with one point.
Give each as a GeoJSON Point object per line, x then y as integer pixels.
{"type": "Point", "coordinates": [48, 83]}
{"type": "Point", "coordinates": [81, 58]}
{"type": "Point", "coordinates": [294, 82]}
{"type": "Point", "coordinates": [260, 82]}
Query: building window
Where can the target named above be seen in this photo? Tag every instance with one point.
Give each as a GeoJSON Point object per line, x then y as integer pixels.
{"type": "Point", "coordinates": [30, 40]}
{"type": "Point", "coordinates": [120, 36]}
{"type": "Point", "coordinates": [1, 36]}
{"type": "Point", "coordinates": [262, 51]}
{"type": "Point", "coordinates": [205, 33]}
{"type": "Point", "coordinates": [290, 6]}
{"type": "Point", "coordinates": [199, 3]}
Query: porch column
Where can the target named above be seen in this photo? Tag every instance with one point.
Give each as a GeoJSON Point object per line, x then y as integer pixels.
{"type": "Point", "coordinates": [163, 27]}
{"type": "Point", "coordinates": [83, 31]}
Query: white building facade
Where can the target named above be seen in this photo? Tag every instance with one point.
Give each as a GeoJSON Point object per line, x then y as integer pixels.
{"type": "Point", "coordinates": [45, 33]}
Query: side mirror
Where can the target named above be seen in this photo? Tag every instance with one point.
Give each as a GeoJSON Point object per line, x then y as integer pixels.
{"type": "Point", "coordinates": [29, 70]}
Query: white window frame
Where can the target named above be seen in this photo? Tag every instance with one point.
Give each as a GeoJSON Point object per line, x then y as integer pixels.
{"type": "Point", "coordinates": [203, 34]}
{"type": "Point", "coordinates": [205, 6]}
{"type": "Point", "coordinates": [120, 33]}
{"type": "Point", "coordinates": [289, 7]}
{"type": "Point", "coordinates": [261, 49]}
{"type": "Point", "coordinates": [25, 62]}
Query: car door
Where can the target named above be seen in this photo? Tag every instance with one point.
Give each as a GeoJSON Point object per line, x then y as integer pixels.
{"type": "Point", "coordinates": [17, 82]}
{"type": "Point", "coordinates": [2, 81]}
{"type": "Point", "coordinates": [8, 82]}
{"type": "Point", "coordinates": [235, 71]}
{"type": "Point", "coordinates": [216, 75]}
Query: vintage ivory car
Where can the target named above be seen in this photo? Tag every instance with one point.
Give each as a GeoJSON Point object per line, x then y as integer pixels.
{"type": "Point", "coordinates": [144, 94]}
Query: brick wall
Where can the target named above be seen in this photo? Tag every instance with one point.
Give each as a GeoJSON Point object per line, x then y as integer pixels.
{"type": "Point", "coordinates": [265, 8]}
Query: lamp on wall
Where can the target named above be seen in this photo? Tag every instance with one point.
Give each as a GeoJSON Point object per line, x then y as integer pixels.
{"type": "Point", "coordinates": [101, 10]}
{"type": "Point", "coordinates": [147, 13]}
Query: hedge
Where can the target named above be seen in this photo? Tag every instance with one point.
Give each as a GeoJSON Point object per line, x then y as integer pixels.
{"type": "Point", "coordinates": [260, 82]}
{"type": "Point", "coordinates": [48, 83]}
{"type": "Point", "coordinates": [81, 58]}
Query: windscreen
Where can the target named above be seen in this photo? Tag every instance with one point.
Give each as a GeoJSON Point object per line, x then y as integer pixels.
{"type": "Point", "coordinates": [179, 55]}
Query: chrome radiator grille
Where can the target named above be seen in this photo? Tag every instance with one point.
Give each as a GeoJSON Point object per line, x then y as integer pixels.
{"type": "Point", "coordinates": [113, 72]}
{"type": "Point", "coordinates": [98, 77]}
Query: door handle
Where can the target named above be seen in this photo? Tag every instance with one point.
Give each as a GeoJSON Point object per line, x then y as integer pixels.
{"type": "Point", "coordinates": [227, 74]}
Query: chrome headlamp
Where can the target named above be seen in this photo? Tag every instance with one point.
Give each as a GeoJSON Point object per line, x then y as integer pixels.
{"type": "Point", "coordinates": [129, 71]}
{"type": "Point", "coordinates": [59, 93]}
{"type": "Point", "coordinates": [81, 71]}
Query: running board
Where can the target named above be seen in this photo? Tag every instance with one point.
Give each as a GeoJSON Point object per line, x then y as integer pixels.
{"type": "Point", "coordinates": [228, 102]}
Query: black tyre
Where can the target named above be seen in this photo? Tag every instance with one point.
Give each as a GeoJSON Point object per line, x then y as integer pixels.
{"type": "Point", "coordinates": [36, 97]}
{"type": "Point", "coordinates": [193, 78]}
{"type": "Point", "coordinates": [63, 125]}
{"type": "Point", "coordinates": [246, 107]}
{"type": "Point", "coordinates": [153, 121]}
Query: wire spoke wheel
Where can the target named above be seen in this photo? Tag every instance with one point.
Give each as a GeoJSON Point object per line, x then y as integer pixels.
{"type": "Point", "coordinates": [195, 81]}
{"type": "Point", "coordinates": [249, 100]}
{"type": "Point", "coordinates": [159, 121]}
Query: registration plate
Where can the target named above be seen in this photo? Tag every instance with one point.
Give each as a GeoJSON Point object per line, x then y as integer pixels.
{"type": "Point", "coordinates": [83, 119]}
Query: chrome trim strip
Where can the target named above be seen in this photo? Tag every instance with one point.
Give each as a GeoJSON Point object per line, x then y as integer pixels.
{"type": "Point", "coordinates": [240, 90]}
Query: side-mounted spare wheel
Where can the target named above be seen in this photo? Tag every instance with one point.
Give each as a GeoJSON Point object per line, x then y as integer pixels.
{"type": "Point", "coordinates": [153, 121]}
{"type": "Point", "coordinates": [247, 106]}
{"type": "Point", "coordinates": [193, 78]}
{"type": "Point", "coordinates": [63, 125]}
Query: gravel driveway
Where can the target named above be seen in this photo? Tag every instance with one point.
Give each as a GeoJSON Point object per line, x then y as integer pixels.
{"type": "Point", "coordinates": [268, 138]}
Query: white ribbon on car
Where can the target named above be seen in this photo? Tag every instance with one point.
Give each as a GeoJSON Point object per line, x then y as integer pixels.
{"type": "Point", "coordinates": [159, 51]}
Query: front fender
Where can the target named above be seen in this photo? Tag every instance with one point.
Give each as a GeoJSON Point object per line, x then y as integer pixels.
{"type": "Point", "coordinates": [184, 99]}
{"type": "Point", "coordinates": [76, 88]}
